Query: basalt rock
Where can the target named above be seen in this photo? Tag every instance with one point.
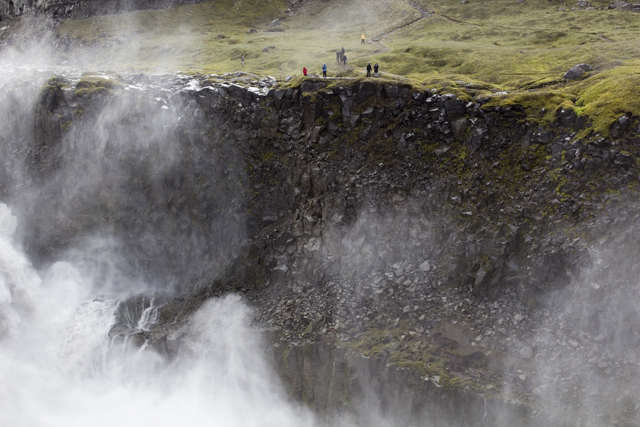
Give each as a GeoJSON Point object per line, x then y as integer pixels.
{"type": "Point", "coordinates": [377, 218]}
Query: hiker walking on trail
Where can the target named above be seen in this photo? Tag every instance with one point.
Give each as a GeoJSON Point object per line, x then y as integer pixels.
{"type": "Point", "coordinates": [242, 60]}
{"type": "Point", "coordinates": [338, 55]}
{"type": "Point", "coordinates": [375, 70]}
{"type": "Point", "coordinates": [304, 71]}
{"type": "Point", "coordinates": [324, 70]}
{"type": "Point", "coordinates": [369, 69]}
{"type": "Point", "coordinates": [344, 60]}
{"type": "Point", "coordinates": [343, 51]}
{"type": "Point", "coordinates": [362, 42]}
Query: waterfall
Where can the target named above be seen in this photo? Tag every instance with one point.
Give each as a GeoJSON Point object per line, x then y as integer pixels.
{"type": "Point", "coordinates": [58, 365]}
{"type": "Point", "coordinates": [89, 271]}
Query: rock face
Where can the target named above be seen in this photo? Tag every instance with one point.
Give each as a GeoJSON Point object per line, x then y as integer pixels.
{"type": "Point", "coordinates": [78, 9]}
{"type": "Point", "coordinates": [408, 227]}
{"type": "Point", "coordinates": [623, 5]}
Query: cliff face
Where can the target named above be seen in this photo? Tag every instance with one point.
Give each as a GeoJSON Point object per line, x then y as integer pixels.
{"type": "Point", "coordinates": [78, 9]}
{"type": "Point", "coordinates": [463, 242]}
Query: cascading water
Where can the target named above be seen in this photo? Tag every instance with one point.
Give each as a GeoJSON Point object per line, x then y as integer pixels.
{"type": "Point", "coordinates": [66, 356]}
{"type": "Point", "coordinates": [58, 365]}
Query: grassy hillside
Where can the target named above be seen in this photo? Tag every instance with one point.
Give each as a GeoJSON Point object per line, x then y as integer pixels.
{"type": "Point", "coordinates": [481, 47]}
{"type": "Point", "coordinates": [212, 36]}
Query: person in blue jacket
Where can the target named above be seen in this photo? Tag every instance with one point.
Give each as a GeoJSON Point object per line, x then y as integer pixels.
{"type": "Point", "coordinates": [324, 70]}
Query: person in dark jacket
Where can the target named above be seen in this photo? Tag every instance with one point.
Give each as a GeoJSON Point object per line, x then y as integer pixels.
{"type": "Point", "coordinates": [375, 70]}
{"type": "Point", "coordinates": [324, 70]}
{"type": "Point", "coordinates": [369, 69]}
{"type": "Point", "coordinates": [344, 60]}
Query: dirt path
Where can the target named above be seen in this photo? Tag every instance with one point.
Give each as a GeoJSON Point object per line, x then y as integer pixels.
{"type": "Point", "coordinates": [600, 36]}
{"type": "Point", "coordinates": [379, 48]}
{"type": "Point", "coordinates": [376, 40]}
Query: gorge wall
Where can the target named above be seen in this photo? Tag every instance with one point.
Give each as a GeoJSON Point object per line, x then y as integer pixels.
{"type": "Point", "coordinates": [462, 241]}
{"type": "Point", "coordinates": [78, 9]}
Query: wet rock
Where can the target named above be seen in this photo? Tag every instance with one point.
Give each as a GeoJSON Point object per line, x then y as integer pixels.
{"type": "Point", "coordinates": [425, 266]}
{"type": "Point", "coordinates": [526, 352]}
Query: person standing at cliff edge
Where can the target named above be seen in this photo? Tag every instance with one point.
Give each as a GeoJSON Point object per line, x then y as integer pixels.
{"type": "Point", "coordinates": [362, 42]}
{"type": "Point", "coordinates": [369, 69]}
{"type": "Point", "coordinates": [242, 60]}
{"type": "Point", "coordinates": [375, 70]}
{"type": "Point", "coordinates": [324, 70]}
{"type": "Point", "coordinates": [304, 71]}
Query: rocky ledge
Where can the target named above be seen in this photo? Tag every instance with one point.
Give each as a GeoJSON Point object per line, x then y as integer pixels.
{"type": "Point", "coordinates": [461, 241]}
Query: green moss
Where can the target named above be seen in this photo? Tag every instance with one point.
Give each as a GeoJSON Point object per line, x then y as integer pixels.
{"type": "Point", "coordinates": [65, 126]}
{"type": "Point", "coordinates": [540, 107]}
{"type": "Point", "coordinates": [91, 85]}
{"type": "Point", "coordinates": [267, 156]}
{"type": "Point", "coordinates": [608, 96]}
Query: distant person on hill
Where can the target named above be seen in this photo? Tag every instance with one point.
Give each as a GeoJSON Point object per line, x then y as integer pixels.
{"type": "Point", "coordinates": [343, 51]}
{"type": "Point", "coordinates": [344, 60]}
{"type": "Point", "coordinates": [375, 70]}
{"type": "Point", "coordinates": [242, 60]}
{"type": "Point", "coordinates": [338, 55]}
{"type": "Point", "coordinates": [304, 71]}
{"type": "Point", "coordinates": [369, 69]}
{"type": "Point", "coordinates": [324, 70]}
{"type": "Point", "coordinates": [362, 41]}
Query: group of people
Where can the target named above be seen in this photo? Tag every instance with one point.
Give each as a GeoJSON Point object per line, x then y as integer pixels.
{"type": "Point", "coordinates": [341, 57]}
{"type": "Point", "coordinates": [375, 70]}
{"type": "Point", "coordinates": [324, 71]}
{"type": "Point", "coordinates": [376, 67]}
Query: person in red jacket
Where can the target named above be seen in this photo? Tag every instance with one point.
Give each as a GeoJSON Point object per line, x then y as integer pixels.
{"type": "Point", "coordinates": [304, 71]}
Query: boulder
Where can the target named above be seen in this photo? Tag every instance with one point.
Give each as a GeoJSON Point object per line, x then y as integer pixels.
{"type": "Point", "coordinates": [391, 91]}
{"type": "Point", "coordinates": [365, 90]}
{"type": "Point", "coordinates": [526, 352]}
{"type": "Point", "coordinates": [454, 107]}
{"type": "Point", "coordinates": [576, 71]}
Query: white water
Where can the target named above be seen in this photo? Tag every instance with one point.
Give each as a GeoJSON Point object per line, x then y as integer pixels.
{"type": "Point", "coordinates": [59, 368]}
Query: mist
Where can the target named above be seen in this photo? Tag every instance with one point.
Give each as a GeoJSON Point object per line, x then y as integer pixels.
{"type": "Point", "coordinates": [116, 195]}
{"type": "Point", "coordinates": [58, 365]}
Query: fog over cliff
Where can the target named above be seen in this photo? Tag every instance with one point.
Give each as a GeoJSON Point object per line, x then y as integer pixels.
{"type": "Point", "coordinates": [169, 242]}
{"type": "Point", "coordinates": [60, 361]}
